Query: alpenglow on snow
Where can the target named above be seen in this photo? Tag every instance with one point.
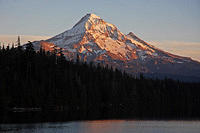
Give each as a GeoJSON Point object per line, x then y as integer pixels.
{"type": "Point", "coordinates": [95, 40]}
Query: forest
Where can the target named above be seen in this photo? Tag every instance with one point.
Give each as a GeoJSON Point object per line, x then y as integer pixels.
{"type": "Point", "coordinates": [39, 86]}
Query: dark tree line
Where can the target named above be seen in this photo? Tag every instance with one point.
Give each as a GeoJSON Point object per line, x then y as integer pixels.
{"type": "Point", "coordinates": [44, 86]}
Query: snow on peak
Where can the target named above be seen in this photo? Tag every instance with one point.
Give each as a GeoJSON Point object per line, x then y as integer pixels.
{"type": "Point", "coordinates": [93, 16]}
{"type": "Point", "coordinates": [84, 24]}
{"type": "Point", "coordinates": [86, 18]}
{"type": "Point", "coordinates": [91, 25]}
{"type": "Point", "coordinates": [91, 22]}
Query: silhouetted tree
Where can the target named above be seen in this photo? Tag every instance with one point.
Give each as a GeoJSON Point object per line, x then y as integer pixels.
{"type": "Point", "coordinates": [66, 90]}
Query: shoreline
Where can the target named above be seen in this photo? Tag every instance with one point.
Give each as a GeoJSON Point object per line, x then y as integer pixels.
{"type": "Point", "coordinates": [111, 119]}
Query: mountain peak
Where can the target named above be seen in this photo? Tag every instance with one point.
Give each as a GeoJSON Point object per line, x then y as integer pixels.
{"type": "Point", "coordinates": [99, 41]}
{"type": "Point", "coordinates": [91, 18]}
{"type": "Point", "coordinates": [90, 22]}
{"type": "Point", "coordinates": [91, 15]}
{"type": "Point", "coordinates": [131, 34]}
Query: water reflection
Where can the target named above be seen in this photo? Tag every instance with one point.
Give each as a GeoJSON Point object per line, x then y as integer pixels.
{"type": "Point", "coordinates": [105, 126]}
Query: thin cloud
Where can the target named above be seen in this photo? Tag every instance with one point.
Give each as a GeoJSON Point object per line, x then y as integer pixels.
{"type": "Point", "coordinates": [9, 39]}
{"type": "Point", "coordinates": [188, 49]}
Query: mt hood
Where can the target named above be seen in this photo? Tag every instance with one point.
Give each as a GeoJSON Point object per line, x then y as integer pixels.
{"type": "Point", "coordinates": [93, 39]}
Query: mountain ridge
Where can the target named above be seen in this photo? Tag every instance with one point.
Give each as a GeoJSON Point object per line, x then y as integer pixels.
{"type": "Point", "coordinates": [93, 39]}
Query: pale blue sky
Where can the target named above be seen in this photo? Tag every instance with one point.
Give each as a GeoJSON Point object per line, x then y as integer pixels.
{"type": "Point", "coordinates": [160, 20]}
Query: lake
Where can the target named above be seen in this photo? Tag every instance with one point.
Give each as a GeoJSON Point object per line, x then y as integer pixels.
{"type": "Point", "coordinates": [105, 126]}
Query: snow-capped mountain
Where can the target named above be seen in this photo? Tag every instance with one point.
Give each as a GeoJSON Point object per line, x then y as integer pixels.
{"type": "Point", "coordinates": [95, 40]}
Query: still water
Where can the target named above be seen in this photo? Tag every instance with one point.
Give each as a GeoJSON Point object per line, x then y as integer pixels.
{"type": "Point", "coordinates": [105, 126]}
